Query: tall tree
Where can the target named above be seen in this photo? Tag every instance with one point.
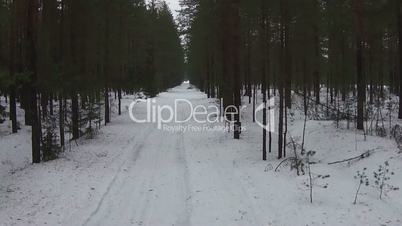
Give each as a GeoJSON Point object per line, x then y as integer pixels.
{"type": "Point", "coordinates": [361, 90]}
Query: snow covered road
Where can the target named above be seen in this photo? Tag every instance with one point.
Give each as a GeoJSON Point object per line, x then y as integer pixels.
{"type": "Point", "coordinates": [155, 185]}
{"type": "Point", "coordinates": [135, 174]}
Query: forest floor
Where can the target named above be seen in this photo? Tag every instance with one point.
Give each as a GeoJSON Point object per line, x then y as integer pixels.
{"type": "Point", "coordinates": [135, 174]}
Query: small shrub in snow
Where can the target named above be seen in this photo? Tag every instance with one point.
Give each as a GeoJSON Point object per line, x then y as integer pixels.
{"type": "Point", "coordinates": [50, 147]}
{"type": "Point", "coordinates": [363, 180]}
{"type": "Point", "coordinates": [381, 178]}
{"type": "Point", "coordinates": [302, 164]}
{"type": "Point", "coordinates": [90, 118]}
{"type": "Point", "coordinates": [391, 106]}
{"type": "Point", "coordinates": [301, 159]}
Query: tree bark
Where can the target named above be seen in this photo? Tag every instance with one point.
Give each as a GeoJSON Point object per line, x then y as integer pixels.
{"type": "Point", "coordinates": [13, 107]}
{"type": "Point", "coordinates": [316, 55]}
{"type": "Point", "coordinates": [61, 120]}
{"type": "Point", "coordinates": [361, 91]}
{"type": "Point", "coordinates": [31, 61]}
{"type": "Point", "coordinates": [399, 9]}
{"type": "Point", "coordinates": [75, 116]}
{"type": "Point", "coordinates": [263, 41]}
{"type": "Point", "coordinates": [13, 110]}
{"type": "Point", "coordinates": [236, 66]}
{"type": "Point", "coordinates": [119, 96]}
{"type": "Point", "coordinates": [107, 106]}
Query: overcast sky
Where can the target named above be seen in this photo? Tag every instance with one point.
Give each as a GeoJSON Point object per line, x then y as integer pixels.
{"type": "Point", "coordinates": [174, 5]}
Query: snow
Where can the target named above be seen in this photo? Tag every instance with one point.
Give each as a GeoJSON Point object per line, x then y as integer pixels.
{"type": "Point", "coordinates": [14, 148]}
{"type": "Point", "coordinates": [135, 174]}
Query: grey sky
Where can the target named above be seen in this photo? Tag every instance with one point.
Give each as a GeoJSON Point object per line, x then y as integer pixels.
{"type": "Point", "coordinates": [174, 5]}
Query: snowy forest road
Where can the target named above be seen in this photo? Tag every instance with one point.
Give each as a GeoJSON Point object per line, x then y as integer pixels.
{"type": "Point", "coordinates": [152, 186]}
{"type": "Point", "coordinates": [136, 174]}
{"type": "Point", "coordinates": [155, 185]}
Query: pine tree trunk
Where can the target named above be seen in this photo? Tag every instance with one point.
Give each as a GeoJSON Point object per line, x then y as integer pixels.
{"type": "Point", "coordinates": [264, 122]}
{"type": "Point", "coordinates": [316, 54]}
{"type": "Point", "coordinates": [61, 120]}
{"type": "Point", "coordinates": [280, 129]}
{"type": "Point", "coordinates": [13, 107]}
{"type": "Point", "coordinates": [119, 95]}
{"type": "Point", "coordinates": [107, 106]}
{"type": "Point", "coordinates": [399, 6]}
{"type": "Point", "coordinates": [254, 101]}
{"type": "Point", "coordinates": [248, 67]}
{"type": "Point", "coordinates": [263, 28]}
{"type": "Point", "coordinates": [285, 133]}
{"type": "Point", "coordinates": [236, 69]}
{"type": "Point", "coordinates": [13, 110]}
{"type": "Point", "coordinates": [269, 124]}
{"type": "Point", "coordinates": [75, 116]}
{"type": "Point", "coordinates": [287, 56]}
{"type": "Point", "coordinates": [25, 102]}
{"type": "Point", "coordinates": [36, 130]}
{"type": "Point", "coordinates": [51, 110]}
{"type": "Point", "coordinates": [208, 73]}
{"type": "Point", "coordinates": [282, 81]}
{"type": "Point", "coordinates": [31, 60]}
{"type": "Point", "coordinates": [359, 65]}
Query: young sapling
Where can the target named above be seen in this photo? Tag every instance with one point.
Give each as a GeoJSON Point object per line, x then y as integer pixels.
{"type": "Point", "coordinates": [382, 175]}
{"type": "Point", "coordinates": [363, 180]}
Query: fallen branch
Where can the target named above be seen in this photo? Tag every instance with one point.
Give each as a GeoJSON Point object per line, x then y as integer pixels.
{"type": "Point", "coordinates": [285, 160]}
{"type": "Point", "coordinates": [362, 156]}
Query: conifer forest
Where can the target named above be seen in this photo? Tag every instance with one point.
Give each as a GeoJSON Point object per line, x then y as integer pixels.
{"type": "Point", "coordinates": [201, 112]}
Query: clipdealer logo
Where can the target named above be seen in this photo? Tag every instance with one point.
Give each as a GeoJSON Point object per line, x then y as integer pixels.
{"type": "Point", "coordinates": [201, 114]}
{"type": "Point", "coordinates": [270, 108]}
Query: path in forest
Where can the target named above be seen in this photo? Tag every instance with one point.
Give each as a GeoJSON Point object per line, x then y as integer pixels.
{"type": "Point", "coordinates": [135, 174]}
{"type": "Point", "coordinates": [156, 185]}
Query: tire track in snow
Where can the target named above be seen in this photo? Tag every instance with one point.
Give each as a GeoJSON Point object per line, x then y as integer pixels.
{"type": "Point", "coordinates": [138, 149]}
{"type": "Point", "coordinates": [154, 161]}
{"type": "Point", "coordinates": [173, 154]}
{"type": "Point", "coordinates": [185, 218]}
{"type": "Point", "coordinates": [234, 192]}
{"type": "Point", "coordinates": [236, 189]}
{"type": "Point", "coordinates": [146, 201]}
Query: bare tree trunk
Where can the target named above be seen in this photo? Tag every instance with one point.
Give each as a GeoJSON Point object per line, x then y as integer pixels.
{"type": "Point", "coordinates": [13, 110]}
{"type": "Point", "coordinates": [119, 96]}
{"type": "Point", "coordinates": [285, 133]}
{"type": "Point", "coordinates": [287, 58]}
{"type": "Point", "coordinates": [107, 106]}
{"type": "Point", "coordinates": [399, 6]}
{"type": "Point", "coordinates": [75, 116]}
{"type": "Point", "coordinates": [361, 91]}
{"type": "Point", "coordinates": [283, 82]}
{"type": "Point", "coordinates": [61, 120]}
{"type": "Point", "coordinates": [51, 110]}
{"type": "Point", "coordinates": [236, 69]}
{"type": "Point", "coordinates": [13, 107]}
{"type": "Point", "coordinates": [106, 63]}
{"type": "Point", "coordinates": [280, 129]}
{"type": "Point", "coordinates": [263, 27]}
{"type": "Point", "coordinates": [31, 60]}
{"type": "Point", "coordinates": [254, 99]}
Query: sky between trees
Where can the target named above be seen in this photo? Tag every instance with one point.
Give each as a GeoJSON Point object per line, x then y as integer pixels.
{"type": "Point", "coordinates": [174, 6]}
